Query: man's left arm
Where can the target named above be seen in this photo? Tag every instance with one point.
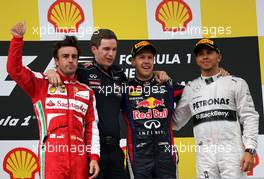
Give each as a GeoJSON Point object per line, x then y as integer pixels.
{"type": "Point", "coordinates": [249, 118]}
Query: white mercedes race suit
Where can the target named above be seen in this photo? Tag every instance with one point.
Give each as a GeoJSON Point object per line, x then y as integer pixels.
{"type": "Point", "coordinates": [218, 107]}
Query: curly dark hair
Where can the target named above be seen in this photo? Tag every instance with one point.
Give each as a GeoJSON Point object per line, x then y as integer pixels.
{"type": "Point", "coordinates": [102, 34]}
{"type": "Point", "coordinates": [71, 41]}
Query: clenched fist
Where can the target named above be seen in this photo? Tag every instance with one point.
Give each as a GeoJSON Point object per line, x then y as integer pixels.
{"type": "Point", "coordinates": [19, 29]}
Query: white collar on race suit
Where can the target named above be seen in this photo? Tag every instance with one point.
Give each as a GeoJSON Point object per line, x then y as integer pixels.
{"type": "Point", "coordinates": [210, 79]}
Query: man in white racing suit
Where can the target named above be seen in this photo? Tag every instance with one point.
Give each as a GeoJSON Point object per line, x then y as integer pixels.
{"type": "Point", "coordinates": [219, 106]}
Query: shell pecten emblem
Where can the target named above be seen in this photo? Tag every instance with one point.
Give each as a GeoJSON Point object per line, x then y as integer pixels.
{"type": "Point", "coordinates": [174, 15]}
{"type": "Point", "coordinates": [21, 163]}
{"type": "Point", "coordinates": [66, 16]}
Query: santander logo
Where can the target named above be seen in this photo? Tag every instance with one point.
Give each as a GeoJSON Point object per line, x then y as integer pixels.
{"type": "Point", "coordinates": [67, 104]}
{"type": "Point", "coordinates": [50, 104]}
{"type": "Point", "coordinates": [71, 106]}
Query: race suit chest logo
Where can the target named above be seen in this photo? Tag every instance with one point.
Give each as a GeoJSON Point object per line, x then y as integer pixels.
{"type": "Point", "coordinates": [61, 103]}
{"type": "Point", "coordinates": [149, 124]}
{"type": "Point", "coordinates": [135, 91]}
{"type": "Point", "coordinates": [209, 102]}
{"type": "Point", "coordinates": [151, 104]}
{"type": "Point", "coordinates": [82, 94]}
{"type": "Point", "coordinates": [57, 90]}
{"type": "Point", "coordinates": [93, 76]}
{"type": "Point", "coordinates": [94, 81]}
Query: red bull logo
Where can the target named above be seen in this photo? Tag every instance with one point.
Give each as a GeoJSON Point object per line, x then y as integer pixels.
{"type": "Point", "coordinates": [145, 103]}
{"type": "Point", "coordinates": [150, 103]}
{"type": "Point", "coordinates": [150, 114]}
{"type": "Point", "coordinates": [157, 103]}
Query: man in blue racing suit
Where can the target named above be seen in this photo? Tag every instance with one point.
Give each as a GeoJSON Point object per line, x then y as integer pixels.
{"type": "Point", "coordinates": [148, 109]}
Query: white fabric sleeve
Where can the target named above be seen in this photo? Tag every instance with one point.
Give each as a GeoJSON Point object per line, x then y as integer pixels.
{"type": "Point", "coordinates": [248, 116]}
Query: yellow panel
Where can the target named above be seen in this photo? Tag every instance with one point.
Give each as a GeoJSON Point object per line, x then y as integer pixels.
{"type": "Point", "coordinates": [261, 57]}
{"type": "Point", "coordinates": [240, 15]}
{"type": "Point", "coordinates": [187, 163]}
{"type": "Point", "coordinates": [13, 11]}
{"type": "Point", "coordinates": [127, 18]}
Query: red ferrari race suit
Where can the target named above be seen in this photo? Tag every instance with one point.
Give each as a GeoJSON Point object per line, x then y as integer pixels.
{"type": "Point", "coordinates": [67, 120]}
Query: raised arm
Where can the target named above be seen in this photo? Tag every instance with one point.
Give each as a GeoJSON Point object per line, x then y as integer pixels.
{"type": "Point", "coordinates": [23, 76]}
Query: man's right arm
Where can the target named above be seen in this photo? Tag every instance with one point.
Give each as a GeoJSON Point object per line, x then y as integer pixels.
{"type": "Point", "coordinates": [24, 77]}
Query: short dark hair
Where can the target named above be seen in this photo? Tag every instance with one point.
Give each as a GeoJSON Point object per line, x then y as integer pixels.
{"type": "Point", "coordinates": [71, 41]}
{"type": "Point", "coordinates": [102, 34]}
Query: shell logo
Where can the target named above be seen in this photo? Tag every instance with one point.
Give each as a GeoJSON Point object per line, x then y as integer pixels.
{"type": "Point", "coordinates": [21, 163]}
{"type": "Point", "coordinates": [52, 89]}
{"type": "Point", "coordinates": [66, 16]}
{"type": "Point", "coordinates": [174, 15]}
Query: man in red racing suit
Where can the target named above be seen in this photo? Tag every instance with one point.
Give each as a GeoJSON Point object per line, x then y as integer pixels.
{"type": "Point", "coordinates": [67, 117]}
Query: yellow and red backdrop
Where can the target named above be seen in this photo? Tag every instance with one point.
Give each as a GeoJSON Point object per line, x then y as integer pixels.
{"type": "Point", "coordinates": [173, 26]}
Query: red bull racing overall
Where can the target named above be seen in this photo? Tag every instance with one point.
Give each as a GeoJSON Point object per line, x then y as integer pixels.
{"type": "Point", "coordinates": [148, 109]}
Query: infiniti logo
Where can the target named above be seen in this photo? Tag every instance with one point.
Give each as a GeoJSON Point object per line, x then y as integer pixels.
{"type": "Point", "coordinates": [93, 76]}
{"type": "Point", "coordinates": [152, 123]}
